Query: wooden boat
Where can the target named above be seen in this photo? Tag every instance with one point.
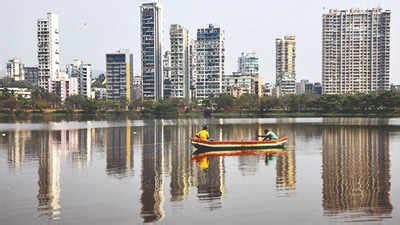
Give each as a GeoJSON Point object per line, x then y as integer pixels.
{"type": "Point", "coordinates": [237, 145]}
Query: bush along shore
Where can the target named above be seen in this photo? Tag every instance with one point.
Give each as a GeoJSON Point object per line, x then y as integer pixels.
{"type": "Point", "coordinates": [383, 103]}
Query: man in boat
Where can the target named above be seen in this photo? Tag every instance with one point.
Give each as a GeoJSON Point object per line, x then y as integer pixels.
{"type": "Point", "coordinates": [203, 134]}
{"type": "Point", "coordinates": [269, 135]}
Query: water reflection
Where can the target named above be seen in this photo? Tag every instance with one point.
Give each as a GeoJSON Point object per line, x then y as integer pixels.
{"type": "Point", "coordinates": [355, 164]}
{"type": "Point", "coordinates": [152, 197]}
{"type": "Point", "coordinates": [119, 154]}
{"type": "Point", "coordinates": [355, 172]}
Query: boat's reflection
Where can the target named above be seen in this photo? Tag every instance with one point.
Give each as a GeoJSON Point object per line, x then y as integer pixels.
{"type": "Point", "coordinates": [202, 157]}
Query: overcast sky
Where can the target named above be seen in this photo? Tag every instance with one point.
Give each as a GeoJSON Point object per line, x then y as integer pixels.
{"type": "Point", "coordinates": [90, 28]}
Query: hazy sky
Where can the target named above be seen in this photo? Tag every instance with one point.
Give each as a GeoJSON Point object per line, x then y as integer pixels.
{"type": "Point", "coordinates": [90, 28]}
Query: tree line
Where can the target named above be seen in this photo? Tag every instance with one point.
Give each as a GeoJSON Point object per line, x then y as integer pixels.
{"type": "Point", "coordinates": [374, 102]}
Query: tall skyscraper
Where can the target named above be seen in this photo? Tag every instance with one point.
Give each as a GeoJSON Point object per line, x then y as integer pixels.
{"type": "Point", "coordinates": [285, 65]}
{"type": "Point", "coordinates": [83, 72]}
{"type": "Point", "coordinates": [355, 51]}
{"type": "Point", "coordinates": [193, 67]}
{"type": "Point", "coordinates": [167, 74]}
{"type": "Point", "coordinates": [15, 69]}
{"type": "Point", "coordinates": [119, 75]}
{"type": "Point", "coordinates": [210, 61]}
{"type": "Point", "coordinates": [180, 77]}
{"type": "Point", "coordinates": [48, 49]}
{"type": "Point", "coordinates": [151, 36]}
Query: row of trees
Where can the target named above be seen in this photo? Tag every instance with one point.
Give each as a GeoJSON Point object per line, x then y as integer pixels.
{"type": "Point", "coordinates": [374, 102]}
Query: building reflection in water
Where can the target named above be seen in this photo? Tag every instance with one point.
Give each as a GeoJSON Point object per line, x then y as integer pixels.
{"type": "Point", "coordinates": [165, 149]}
{"type": "Point", "coordinates": [119, 153]}
{"type": "Point", "coordinates": [152, 196]}
{"type": "Point", "coordinates": [286, 163]}
{"type": "Point", "coordinates": [180, 161]}
{"type": "Point", "coordinates": [355, 171]}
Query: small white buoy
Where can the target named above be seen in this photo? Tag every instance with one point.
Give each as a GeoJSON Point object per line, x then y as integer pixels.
{"type": "Point", "coordinates": [3, 134]}
{"type": "Point", "coordinates": [134, 132]}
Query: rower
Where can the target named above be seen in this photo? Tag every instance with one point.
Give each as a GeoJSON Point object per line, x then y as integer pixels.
{"type": "Point", "coordinates": [269, 135]}
{"type": "Point", "coordinates": [203, 134]}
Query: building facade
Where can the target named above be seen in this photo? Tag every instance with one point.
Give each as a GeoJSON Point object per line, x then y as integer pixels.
{"type": "Point", "coordinates": [249, 65]}
{"type": "Point", "coordinates": [151, 45]}
{"type": "Point", "coordinates": [31, 75]}
{"type": "Point", "coordinates": [236, 84]}
{"type": "Point", "coordinates": [83, 72]}
{"type": "Point", "coordinates": [167, 74]}
{"type": "Point", "coordinates": [48, 36]}
{"type": "Point", "coordinates": [355, 51]}
{"type": "Point", "coordinates": [63, 86]}
{"type": "Point", "coordinates": [193, 67]}
{"type": "Point", "coordinates": [301, 87]}
{"type": "Point", "coordinates": [119, 75]}
{"type": "Point", "coordinates": [210, 61]}
{"type": "Point", "coordinates": [15, 69]}
{"type": "Point", "coordinates": [286, 65]}
{"type": "Point", "coordinates": [180, 62]}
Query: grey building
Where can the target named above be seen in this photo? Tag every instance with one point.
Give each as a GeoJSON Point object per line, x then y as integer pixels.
{"type": "Point", "coordinates": [210, 61]}
{"type": "Point", "coordinates": [355, 51]}
{"type": "Point", "coordinates": [151, 53]}
{"type": "Point", "coordinates": [119, 75]}
{"type": "Point", "coordinates": [32, 75]}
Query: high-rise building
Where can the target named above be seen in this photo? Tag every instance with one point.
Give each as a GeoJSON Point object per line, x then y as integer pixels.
{"type": "Point", "coordinates": [151, 36]}
{"type": "Point", "coordinates": [48, 49]}
{"type": "Point", "coordinates": [119, 75]}
{"type": "Point", "coordinates": [355, 51]}
{"type": "Point", "coordinates": [248, 63]}
{"type": "Point", "coordinates": [32, 75]}
{"type": "Point", "coordinates": [83, 72]}
{"type": "Point", "coordinates": [15, 69]}
{"type": "Point", "coordinates": [180, 71]}
{"type": "Point", "coordinates": [167, 74]}
{"type": "Point", "coordinates": [210, 61]}
{"type": "Point", "coordinates": [193, 67]}
{"type": "Point", "coordinates": [285, 65]}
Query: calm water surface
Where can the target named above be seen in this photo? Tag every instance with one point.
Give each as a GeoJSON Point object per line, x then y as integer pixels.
{"type": "Point", "coordinates": [334, 171]}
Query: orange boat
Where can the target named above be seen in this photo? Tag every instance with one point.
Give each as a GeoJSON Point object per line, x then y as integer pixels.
{"type": "Point", "coordinates": [206, 146]}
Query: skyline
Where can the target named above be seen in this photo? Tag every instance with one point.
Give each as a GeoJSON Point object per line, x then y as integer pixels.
{"type": "Point", "coordinates": [99, 34]}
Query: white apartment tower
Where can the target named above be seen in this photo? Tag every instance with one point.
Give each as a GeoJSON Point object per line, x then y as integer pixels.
{"type": "Point", "coordinates": [15, 69]}
{"type": "Point", "coordinates": [355, 51]}
{"type": "Point", "coordinates": [180, 77]}
{"type": "Point", "coordinates": [210, 61]}
{"type": "Point", "coordinates": [192, 67]}
{"type": "Point", "coordinates": [83, 72]}
{"type": "Point", "coordinates": [48, 49]}
{"type": "Point", "coordinates": [286, 65]}
{"type": "Point", "coordinates": [151, 53]}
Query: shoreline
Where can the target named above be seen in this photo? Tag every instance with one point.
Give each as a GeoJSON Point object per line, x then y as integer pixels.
{"type": "Point", "coordinates": [115, 115]}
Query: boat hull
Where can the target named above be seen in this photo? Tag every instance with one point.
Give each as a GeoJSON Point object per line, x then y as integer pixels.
{"type": "Point", "coordinates": [203, 146]}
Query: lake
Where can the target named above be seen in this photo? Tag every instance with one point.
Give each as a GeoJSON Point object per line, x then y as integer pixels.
{"type": "Point", "coordinates": [333, 171]}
